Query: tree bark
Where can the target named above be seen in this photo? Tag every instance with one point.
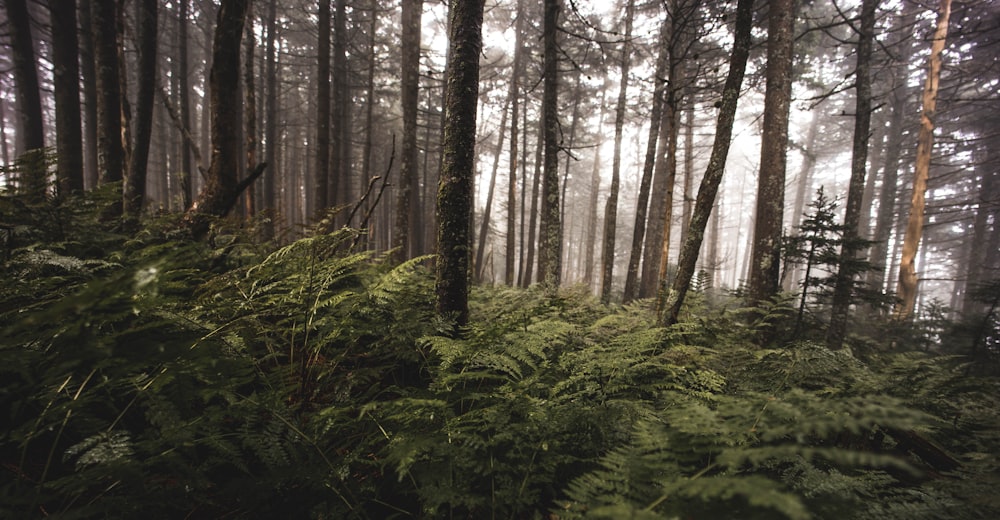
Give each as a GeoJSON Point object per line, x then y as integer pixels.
{"type": "Point", "coordinates": [458, 168]}
{"type": "Point", "coordinates": [111, 154]}
{"type": "Point", "coordinates": [249, 112]}
{"type": "Point", "coordinates": [340, 129]}
{"type": "Point", "coordinates": [642, 204]}
{"type": "Point", "coordinates": [849, 248]}
{"type": "Point", "coordinates": [222, 187]}
{"type": "Point", "coordinates": [511, 249]}
{"type": "Point", "coordinates": [765, 263]}
{"type": "Point", "coordinates": [907, 286]}
{"type": "Point", "coordinates": [30, 127]}
{"type": "Point", "coordinates": [66, 84]}
{"type": "Point", "coordinates": [670, 302]}
{"type": "Point", "coordinates": [611, 209]}
{"type": "Point", "coordinates": [409, 98]}
{"type": "Point", "coordinates": [89, 81]}
{"type": "Point", "coordinates": [550, 254]}
{"type": "Point", "coordinates": [322, 171]}
{"type": "Point", "coordinates": [134, 190]}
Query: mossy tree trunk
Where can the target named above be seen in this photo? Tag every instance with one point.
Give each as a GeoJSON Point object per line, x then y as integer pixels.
{"type": "Point", "coordinates": [550, 239]}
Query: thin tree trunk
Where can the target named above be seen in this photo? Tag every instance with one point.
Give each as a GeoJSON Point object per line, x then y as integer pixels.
{"type": "Point", "coordinates": [270, 187]}
{"type": "Point", "coordinates": [512, 176]}
{"type": "Point", "coordinates": [670, 302]}
{"type": "Point", "coordinates": [340, 144]}
{"type": "Point", "coordinates": [458, 169]}
{"type": "Point", "coordinates": [688, 195]}
{"type": "Point", "coordinates": [907, 287]}
{"type": "Point", "coordinates": [611, 209]}
{"type": "Point", "coordinates": [484, 225]}
{"type": "Point", "coordinates": [803, 186]}
{"type": "Point", "coordinates": [765, 263]}
{"type": "Point", "coordinates": [89, 80]}
{"type": "Point", "coordinates": [595, 189]}
{"type": "Point", "coordinates": [642, 203]}
{"type": "Point", "coordinates": [322, 170]}
{"type": "Point", "coordinates": [843, 290]}
{"type": "Point", "coordinates": [533, 214]}
{"type": "Point", "coordinates": [249, 112]}
{"type": "Point", "coordinates": [111, 154]}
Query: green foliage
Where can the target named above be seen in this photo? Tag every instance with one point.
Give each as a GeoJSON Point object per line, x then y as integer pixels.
{"type": "Point", "coordinates": [160, 377]}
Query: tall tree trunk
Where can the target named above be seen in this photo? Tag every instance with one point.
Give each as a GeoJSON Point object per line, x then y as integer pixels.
{"type": "Point", "coordinates": [367, 147]}
{"type": "Point", "coordinates": [111, 154]}
{"type": "Point", "coordinates": [898, 104]}
{"type": "Point", "coordinates": [458, 169]}
{"type": "Point", "coordinates": [30, 129]}
{"type": "Point", "coordinates": [66, 83]}
{"type": "Point", "coordinates": [642, 204]}
{"type": "Point", "coordinates": [533, 214]}
{"type": "Point", "coordinates": [270, 187]}
{"type": "Point", "coordinates": [322, 171]}
{"type": "Point", "coordinates": [688, 194]}
{"type": "Point", "coordinates": [611, 209]}
{"type": "Point", "coordinates": [409, 98]}
{"type": "Point", "coordinates": [550, 254]}
{"type": "Point", "coordinates": [907, 287]}
{"type": "Point", "coordinates": [223, 187]}
{"type": "Point", "coordinates": [669, 302]}
{"type": "Point", "coordinates": [765, 263]}
{"type": "Point", "coordinates": [89, 80]}
{"type": "Point", "coordinates": [134, 191]}
{"type": "Point", "coordinates": [595, 189]}
{"type": "Point", "coordinates": [340, 144]}
{"type": "Point", "coordinates": [249, 112]}
{"type": "Point", "coordinates": [484, 225]}
{"type": "Point", "coordinates": [852, 213]}
{"type": "Point", "coordinates": [511, 250]}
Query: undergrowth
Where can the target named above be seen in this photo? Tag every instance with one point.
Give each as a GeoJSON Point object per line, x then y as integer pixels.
{"type": "Point", "coordinates": [153, 376]}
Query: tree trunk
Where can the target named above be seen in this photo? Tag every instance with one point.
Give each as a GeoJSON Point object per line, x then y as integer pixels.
{"type": "Point", "coordinates": [249, 112]}
{"type": "Point", "coordinates": [30, 129]}
{"type": "Point", "coordinates": [66, 84]}
{"type": "Point", "coordinates": [458, 168]}
{"type": "Point", "coordinates": [642, 203]}
{"type": "Point", "coordinates": [803, 186]}
{"type": "Point", "coordinates": [322, 171]}
{"type": "Point", "coordinates": [512, 176]}
{"type": "Point", "coordinates": [222, 187]}
{"type": "Point", "coordinates": [533, 214]}
{"type": "Point", "coordinates": [898, 104]}
{"type": "Point", "coordinates": [111, 154]}
{"type": "Point", "coordinates": [89, 80]}
{"type": "Point", "coordinates": [409, 97]}
{"type": "Point", "coordinates": [135, 182]}
{"type": "Point", "coordinates": [669, 302]}
{"type": "Point", "coordinates": [849, 248]}
{"type": "Point", "coordinates": [270, 187]}
{"type": "Point", "coordinates": [595, 189]}
{"type": "Point", "coordinates": [907, 287]}
{"type": "Point", "coordinates": [765, 263]}
{"type": "Point", "coordinates": [611, 209]}
{"type": "Point", "coordinates": [550, 254]}
{"type": "Point", "coordinates": [484, 226]}
{"type": "Point", "coordinates": [340, 129]}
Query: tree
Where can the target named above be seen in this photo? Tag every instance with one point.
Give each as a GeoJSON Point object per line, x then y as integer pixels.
{"type": "Point", "coordinates": [859, 160]}
{"type": "Point", "coordinates": [512, 177]}
{"type": "Point", "coordinates": [271, 118]}
{"type": "Point", "coordinates": [134, 189]}
{"type": "Point", "coordinates": [406, 214]}
{"type": "Point", "coordinates": [222, 186]}
{"type": "Point", "coordinates": [458, 168]}
{"type": "Point", "coordinates": [66, 85]}
{"type": "Point", "coordinates": [765, 262]}
{"type": "Point", "coordinates": [110, 152]}
{"type": "Point", "coordinates": [550, 236]}
{"type": "Point", "coordinates": [669, 302]}
{"type": "Point", "coordinates": [655, 116]}
{"type": "Point", "coordinates": [30, 125]}
{"type": "Point", "coordinates": [907, 286]}
{"type": "Point", "coordinates": [611, 209]}
{"type": "Point", "coordinates": [322, 172]}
